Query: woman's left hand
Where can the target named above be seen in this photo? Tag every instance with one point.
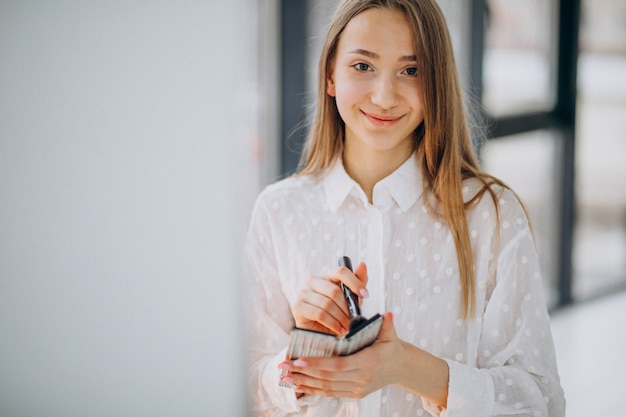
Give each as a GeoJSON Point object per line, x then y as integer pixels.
{"type": "Point", "coordinates": [353, 376]}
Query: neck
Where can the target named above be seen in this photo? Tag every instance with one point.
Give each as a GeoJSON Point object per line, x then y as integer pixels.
{"type": "Point", "coordinates": [369, 167]}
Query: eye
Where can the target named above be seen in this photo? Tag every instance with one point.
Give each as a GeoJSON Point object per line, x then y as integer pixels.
{"type": "Point", "coordinates": [361, 67]}
{"type": "Point", "coordinates": [411, 71]}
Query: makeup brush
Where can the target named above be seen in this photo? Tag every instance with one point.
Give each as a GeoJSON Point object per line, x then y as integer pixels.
{"type": "Point", "coordinates": [362, 333]}
{"type": "Point", "coordinates": [357, 321]}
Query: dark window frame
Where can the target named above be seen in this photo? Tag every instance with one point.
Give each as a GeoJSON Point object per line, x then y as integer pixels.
{"type": "Point", "coordinates": [561, 118]}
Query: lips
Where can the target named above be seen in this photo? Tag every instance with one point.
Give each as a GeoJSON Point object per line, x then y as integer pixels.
{"type": "Point", "coordinates": [381, 120]}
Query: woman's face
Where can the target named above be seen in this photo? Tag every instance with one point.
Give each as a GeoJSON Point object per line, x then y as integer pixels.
{"type": "Point", "coordinates": [375, 83]}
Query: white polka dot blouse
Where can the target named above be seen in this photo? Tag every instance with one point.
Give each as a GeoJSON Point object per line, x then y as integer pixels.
{"type": "Point", "coordinates": [501, 361]}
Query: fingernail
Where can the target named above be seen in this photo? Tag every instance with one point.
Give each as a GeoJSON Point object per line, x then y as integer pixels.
{"type": "Point", "coordinates": [364, 293]}
{"type": "Point", "coordinates": [287, 380]}
{"type": "Point", "coordinates": [284, 366]}
{"type": "Point", "coordinates": [299, 390]}
{"type": "Point", "coordinates": [300, 363]}
{"type": "Point", "coordinates": [343, 330]}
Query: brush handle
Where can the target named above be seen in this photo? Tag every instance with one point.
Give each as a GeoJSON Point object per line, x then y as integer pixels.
{"type": "Point", "coordinates": [351, 298]}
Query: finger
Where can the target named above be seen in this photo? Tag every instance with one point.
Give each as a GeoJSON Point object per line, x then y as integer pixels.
{"type": "Point", "coordinates": [331, 291]}
{"type": "Point", "coordinates": [361, 273]}
{"type": "Point", "coordinates": [321, 366]}
{"type": "Point", "coordinates": [387, 330]}
{"type": "Point", "coordinates": [304, 372]}
{"type": "Point", "coordinates": [349, 279]}
{"type": "Point", "coordinates": [310, 380]}
{"type": "Point", "coordinates": [303, 389]}
{"type": "Point", "coordinates": [330, 307]}
{"type": "Point", "coordinates": [320, 310]}
{"type": "Point", "coordinates": [327, 388]}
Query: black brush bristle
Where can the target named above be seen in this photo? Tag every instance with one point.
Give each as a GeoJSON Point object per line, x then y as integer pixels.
{"type": "Point", "coordinates": [357, 323]}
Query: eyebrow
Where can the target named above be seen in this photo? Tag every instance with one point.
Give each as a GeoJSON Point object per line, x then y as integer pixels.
{"type": "Point", "coordinates": [373, 55]}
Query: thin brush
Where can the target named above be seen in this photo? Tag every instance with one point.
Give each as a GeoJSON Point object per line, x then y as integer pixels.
{"type": "Point", "coordinates": [357, 321]}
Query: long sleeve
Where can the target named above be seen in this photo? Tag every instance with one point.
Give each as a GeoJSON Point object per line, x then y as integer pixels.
{"type": "Point", "coordinates": [516, 372]}
{"type": "Point", "coordinates": [270, 322]}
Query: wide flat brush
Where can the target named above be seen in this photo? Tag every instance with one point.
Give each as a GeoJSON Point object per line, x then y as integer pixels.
{"type": "Point", "coordinates": [362, 333]}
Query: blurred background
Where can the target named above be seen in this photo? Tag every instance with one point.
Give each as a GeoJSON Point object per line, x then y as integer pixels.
{"type": "Point", "coordinates": [125, 157]}
{"type": "Point", "coordinates": [134, 137]}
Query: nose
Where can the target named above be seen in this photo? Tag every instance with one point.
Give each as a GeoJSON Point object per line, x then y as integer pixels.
{"type": "Point", "coordinates": [385, 92]}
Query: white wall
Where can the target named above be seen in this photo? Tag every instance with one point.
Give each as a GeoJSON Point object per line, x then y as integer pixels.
{"type": "Point", "coordinates": [120, 148]}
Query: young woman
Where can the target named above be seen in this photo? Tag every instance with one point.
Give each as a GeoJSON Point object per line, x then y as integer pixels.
{"type": "Point", "coordinates": [389, 178]}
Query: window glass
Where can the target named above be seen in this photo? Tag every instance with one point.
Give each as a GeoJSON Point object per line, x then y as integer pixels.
{"type": "Point", "coordinates": [526, 162]}
{"type": "Point", "coordinates": [519, 56]}
{"type": "Point", "coordinates": [599, 258]}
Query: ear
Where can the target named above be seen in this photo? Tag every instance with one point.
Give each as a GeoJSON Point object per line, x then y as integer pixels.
{"type": "Point", "coordinates": [330, 83]}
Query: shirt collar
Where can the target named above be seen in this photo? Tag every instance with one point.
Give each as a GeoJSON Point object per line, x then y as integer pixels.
{"type": "Point", "coordinates": [404, 185]}
{"type": "Point", "coordinates": [338, 185]}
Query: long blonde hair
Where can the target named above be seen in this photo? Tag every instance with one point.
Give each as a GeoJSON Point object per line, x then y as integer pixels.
{"type": "Point", "coordinates": [442, 142]}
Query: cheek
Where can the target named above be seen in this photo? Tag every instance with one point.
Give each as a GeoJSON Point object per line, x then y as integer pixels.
{"type": "Point", "coordinates": [412, 93]}
{"type": "Point", "coordinates": [350, 92]}
{"type": "Point", "coordinates": [415, 101]}
{"type": "Point", "coordinates": [418, 106]}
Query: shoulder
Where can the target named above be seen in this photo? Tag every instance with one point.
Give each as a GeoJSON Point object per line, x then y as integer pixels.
{"type": "Point", "coordinates": [494, 201]}
{"type": "Point", "coordinates": [290, 191]}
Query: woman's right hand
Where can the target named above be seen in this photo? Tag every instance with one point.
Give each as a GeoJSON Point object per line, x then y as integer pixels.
{"type": "Point", "coordinates": [321, 305]}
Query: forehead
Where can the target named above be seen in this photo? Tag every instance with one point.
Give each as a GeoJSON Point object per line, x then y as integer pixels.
{"type": "Point", "coordinates": [378, 30]}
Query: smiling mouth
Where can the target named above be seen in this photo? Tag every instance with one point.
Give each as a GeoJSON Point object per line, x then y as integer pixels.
{"type": "Point", "coordinates": [382, 120]}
